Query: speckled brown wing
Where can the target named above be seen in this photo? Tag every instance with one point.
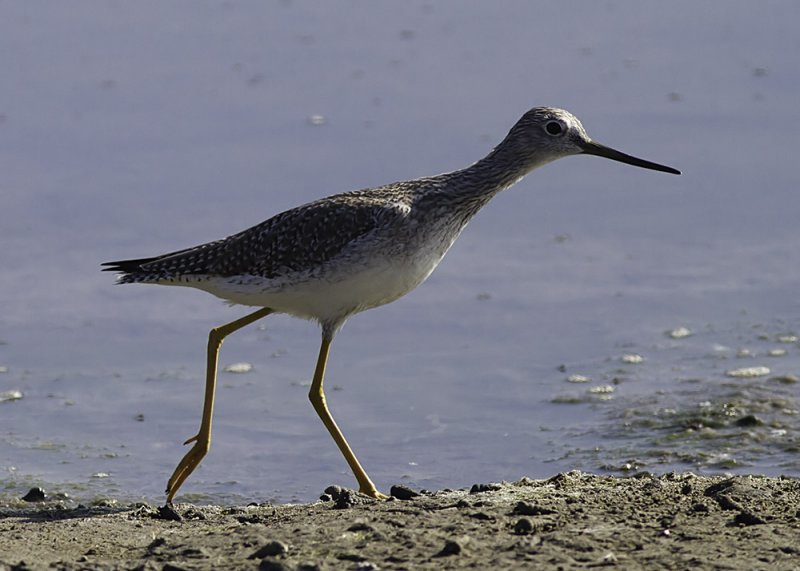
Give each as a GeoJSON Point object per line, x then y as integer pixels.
{"type": "Point", "coordinates": [294, 240]}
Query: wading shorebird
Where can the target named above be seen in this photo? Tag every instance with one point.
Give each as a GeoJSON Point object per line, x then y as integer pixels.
{"type": "Point", "coordinates": [340, 255]}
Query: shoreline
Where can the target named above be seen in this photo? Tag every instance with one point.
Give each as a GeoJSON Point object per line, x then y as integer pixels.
{"type": "Point", "coordinates": [573, 520]}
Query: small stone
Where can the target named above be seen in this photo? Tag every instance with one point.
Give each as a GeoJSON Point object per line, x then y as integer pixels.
{"type": "Point", "coordinates": [270, 549]}
{"type": "Point", "coordinates": [349, 498]}
{"type": "Point", "coordinates": [524, 526]}
{"type": "Point", "coordinates": [335, 491]}
{"type": "Point", "coordinates": [194, 514]}
{"type": "Point", "coordinates": [402, 492]}
{"type": "Point", "coordinates": [602, 390]}
{"type": "Point", "coordinates": [527, 508]}
{"type": "Point", "coordinates": [11, 395]}
{"type": "Point", "coordinates": [239, 368]}
{"type": "Point", "coordinates": [35, 495]}
{"type": "Point", "coordinates": [745, 517]}
{"type": "Point", "coordinates": [481, 488]}
{"type": "Point", "coordinates": [167, 512]}
{"type": "Point", "coordinates": [679, 333]}
{"type": "Point", "coordinates": [481, 516]}
{"type": "Point", "coordinates": [609, 558]}
{"type": "Point", "coordinates": [749, 420]}
{"type": "Point", "coordinates": [269, 564]}
{"type": "Point", "coordinates": [748, 372]}
{"type": "Point", "coordinates": [451, 547]}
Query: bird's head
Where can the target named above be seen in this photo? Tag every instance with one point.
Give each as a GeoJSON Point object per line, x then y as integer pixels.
{"type": "Point", "coordinates": [545, 134]}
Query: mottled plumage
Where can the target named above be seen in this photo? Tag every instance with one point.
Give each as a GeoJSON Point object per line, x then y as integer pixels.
{"type": "Point", "coordinates": [339, 255]}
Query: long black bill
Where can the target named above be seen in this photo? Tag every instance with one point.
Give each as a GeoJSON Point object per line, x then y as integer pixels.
{"type": "Point", "coordinates": [592, 148]}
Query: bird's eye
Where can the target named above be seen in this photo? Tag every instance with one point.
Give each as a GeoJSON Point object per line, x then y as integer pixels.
{"type": "Point", "coordinates": [554, 128]}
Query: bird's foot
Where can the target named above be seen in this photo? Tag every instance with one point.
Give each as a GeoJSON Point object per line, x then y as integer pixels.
{"type": "Point", "coordinates": [187, 465]}
{"type": "Point", "coordinates": [373, 493]}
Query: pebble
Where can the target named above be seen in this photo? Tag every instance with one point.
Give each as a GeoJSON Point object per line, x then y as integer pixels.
{"type": "Point", "coordinates": [35, 495]}
{"type": "Point", "coordinates": [270, 549]}
{"type": "Point", "coordinates": [269, 564]}
{"type": "Point", "coordinates": [527, 508]}
{"type": "Point", "coordinates": [345, 498]}
{"type": "Point", "coordinates": [745, 517]}
{"type": "Point", "coordinates": [335, 491]}
{"type": "Point", "coordinates": [11, 395]}
{"type": "Point", "coordinates": [749, 420]}
{"type": "Point", "coordinates": [609, 558]}
{"type": "Point", "coordinates": [602, 390]}
{"type": "Point", "coordinates": [748, 372]}
{"type": "Point", "coordinates": [481, 488]}
{"type": "Point", "coordinates": [679, 333]}
{"type": "Point", "coordinates": [238, 368]}
{"type": "Point", "coordinates": [451, 547]}
{"type": "Point", "coordinates": [402, 492]}
{"type": "Point", "coordinates": [524, 526]}
{"type": "Point", "coordinates": [168, 513]}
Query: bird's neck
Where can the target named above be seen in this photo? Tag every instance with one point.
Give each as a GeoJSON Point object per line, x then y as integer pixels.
{"type": "Point", "coordinates": [498, 170]}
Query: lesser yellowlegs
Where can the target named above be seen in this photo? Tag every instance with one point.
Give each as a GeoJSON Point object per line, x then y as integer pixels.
{"type": "Point", "coordinates": [340, 255]}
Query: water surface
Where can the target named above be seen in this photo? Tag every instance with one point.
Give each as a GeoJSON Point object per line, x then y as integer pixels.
{"type": "Point", "coordinates": [128, 130]}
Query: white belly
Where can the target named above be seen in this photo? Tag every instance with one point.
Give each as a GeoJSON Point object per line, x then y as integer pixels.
{"type": "Point", "coordinates": [369, 273]}
{"type": "Point", "coordinates": [340, 291]}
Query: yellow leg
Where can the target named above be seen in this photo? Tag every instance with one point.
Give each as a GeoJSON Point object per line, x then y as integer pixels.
{"type": "Point", "coordinates": [202, 439]}
{"type": "Point", "coordinates": [317, 397]}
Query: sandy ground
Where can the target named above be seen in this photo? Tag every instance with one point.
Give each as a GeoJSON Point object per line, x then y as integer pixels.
{"type": "Point", "coordinates": [571, 521]}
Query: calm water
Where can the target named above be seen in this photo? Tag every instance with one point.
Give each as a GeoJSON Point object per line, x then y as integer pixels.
{"type": "Point", "coordinates": [128, 130]}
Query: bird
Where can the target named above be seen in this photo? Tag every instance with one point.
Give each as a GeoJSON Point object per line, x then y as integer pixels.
{"type": "Point", "coordinates": [340, 255]}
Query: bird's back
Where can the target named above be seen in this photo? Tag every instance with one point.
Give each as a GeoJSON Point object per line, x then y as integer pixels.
{"type": "Point", "coordinates": [296, 240]}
